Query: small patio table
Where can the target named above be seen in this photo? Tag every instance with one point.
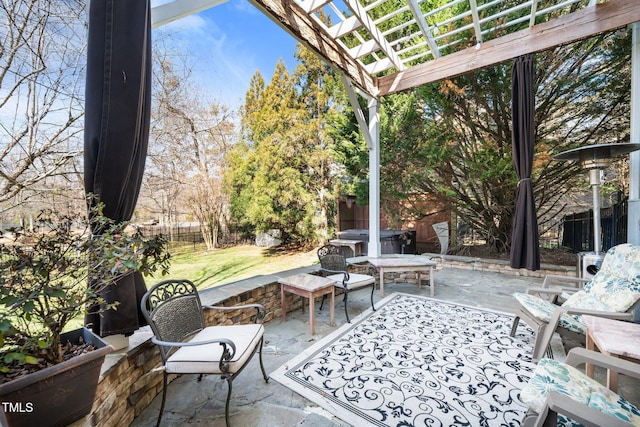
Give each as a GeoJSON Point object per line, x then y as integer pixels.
{"type": "Point", "coordinates": [354, 245]}
{"type": "Point", "coordinates": [307, 286]}
{"type": "Point", "coordinates": [401, 264]}
{"type": "Point", "coordinates": [613, 337]}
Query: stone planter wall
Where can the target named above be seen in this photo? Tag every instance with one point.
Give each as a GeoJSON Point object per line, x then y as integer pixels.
{"type": "Point", "coordinates": [477, 264]}
{"type": "Point", "coordinates": [128, 383]}
{"type": "Point", "coordinates": [499, 266]}
{"type": "Point", "coordinates": [127, 387]}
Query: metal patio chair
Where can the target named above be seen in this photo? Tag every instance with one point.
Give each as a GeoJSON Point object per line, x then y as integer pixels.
{"type": "Point", "coordinates": [187, 346]}
{"type": "Point", "coordinates": [334, 265]}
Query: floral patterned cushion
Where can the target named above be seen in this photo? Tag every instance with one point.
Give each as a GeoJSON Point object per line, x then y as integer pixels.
{"type": "Point", "coordinates": [615, 288]}
{"type": "Point", "coordinates": [622, 261]}
{"type": "Point", "coordinates": [616, 406]}
{"type": "Point", "coordinates": [567, 422]}
{"type": "Point", "coordinates": [551, 375]}
{"type": "Point", "coordinates": [587, 301]}
{"type": "Point", "coordinates": [617, 301]}
{"type": "Point", "coordinates": [542, 309]}
{"type": "Point", "coordinates": [617, 284]}
{"type": "Point", "coordinates": [535, 305]}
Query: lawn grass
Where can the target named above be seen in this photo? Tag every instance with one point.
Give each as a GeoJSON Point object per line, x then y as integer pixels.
{"type": "Point", "coordinates": [221, 266]}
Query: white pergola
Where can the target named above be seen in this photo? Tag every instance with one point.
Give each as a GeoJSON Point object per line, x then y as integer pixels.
{"type": "Point", "coordinates": [382, 47]}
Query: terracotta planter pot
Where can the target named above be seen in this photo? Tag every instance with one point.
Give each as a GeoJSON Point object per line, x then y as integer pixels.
{"type": "Point", "coordinates": [60, 394]}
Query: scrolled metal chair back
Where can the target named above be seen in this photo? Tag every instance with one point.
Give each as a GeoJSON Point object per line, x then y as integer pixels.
{"type": "Point", "coordinates": [174, 311]}
{"type": "Point", "coordinates": [332, 258]}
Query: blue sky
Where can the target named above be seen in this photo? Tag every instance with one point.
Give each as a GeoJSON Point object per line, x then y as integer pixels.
{"type": "Point", "coordinates": [228, 43]}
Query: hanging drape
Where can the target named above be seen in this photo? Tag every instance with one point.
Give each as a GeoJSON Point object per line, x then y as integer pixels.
{"type": "Point", "coordinates": [525, 250]}
{"type": "Point", "coordinates": [117, 102]}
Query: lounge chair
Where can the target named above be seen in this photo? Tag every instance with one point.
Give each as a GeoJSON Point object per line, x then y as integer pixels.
{"type": "Point", "coordinates": [613, 292]}
{"type": "Point", "coordinates": [187, 346]}
{"type": "Point", "coordinates": [334, 265]}
{"type": "Point", "coordinates": [558, 394]}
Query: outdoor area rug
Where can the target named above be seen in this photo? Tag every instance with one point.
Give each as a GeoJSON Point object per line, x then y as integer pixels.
{"type": "Point", "coordinates": [417, 361]}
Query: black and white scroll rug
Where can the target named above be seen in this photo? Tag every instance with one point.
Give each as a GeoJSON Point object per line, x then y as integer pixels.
{"type": "Point", "coordinates": [417, 361]}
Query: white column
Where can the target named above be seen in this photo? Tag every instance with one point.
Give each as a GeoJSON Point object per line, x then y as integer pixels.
{"type": "Point", "coordinates": [633, 213]}
{"type": "Point", "coordinates": [371, 135]}
{"type": "Point", "coordinates": [374, 249]}
{"type": "Point", "coordinates": [633, 219]}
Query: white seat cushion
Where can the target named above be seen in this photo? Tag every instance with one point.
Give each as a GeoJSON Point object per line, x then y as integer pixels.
{"type": "Point", "coordinates": [355, 280]}
{"type": "Point", "coordinates": [203, 359]}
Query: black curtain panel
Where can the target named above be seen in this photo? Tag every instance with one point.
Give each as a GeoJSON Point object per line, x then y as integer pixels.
{"type": "Point", "coordinates": [118, 99]}
{"type": "Point", "coordinates": [525, 250]}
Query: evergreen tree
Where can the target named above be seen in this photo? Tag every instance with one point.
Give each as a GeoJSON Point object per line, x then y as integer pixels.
{"type": "Point", "coordinates": [280, 172]}
{"type": "Point", "coordinates": [452, 139]}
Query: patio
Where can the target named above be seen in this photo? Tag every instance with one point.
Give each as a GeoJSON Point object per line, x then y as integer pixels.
{"type": "Point", "coordinates": [367, 48]}
{"type": "Point", "coordinates": [254, 403]}
{"type": "Point", "coordinates": [129, 384]}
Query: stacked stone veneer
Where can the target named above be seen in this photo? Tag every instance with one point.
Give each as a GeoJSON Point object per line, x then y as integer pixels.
{"type": "Point", "coordinates": [478, 264]}
{"type": "Point", "coordinates": [129, 383]}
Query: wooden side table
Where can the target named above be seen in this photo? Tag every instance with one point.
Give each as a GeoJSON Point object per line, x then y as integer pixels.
{"type": "Point", "coordinates": [354, 245]}
{"type": "Point", "coordinates": [307, 286]}
{"type": "Point", "coordinates": [613, 337]}
{"type": "Point", "coordinates": [405, 263]}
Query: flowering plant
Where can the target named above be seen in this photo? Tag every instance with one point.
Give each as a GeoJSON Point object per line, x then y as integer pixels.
{"type": "Point", "coordinates": [44, 277]}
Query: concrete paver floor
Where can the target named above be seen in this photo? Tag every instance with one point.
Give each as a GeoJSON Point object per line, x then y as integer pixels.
{"type": "Point", "coordinates": [260, 404]}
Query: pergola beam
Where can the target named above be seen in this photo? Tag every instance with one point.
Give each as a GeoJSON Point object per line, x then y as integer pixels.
{"type": "Point", "coordinates": [532, 15]}
{"type": "Point", "coordinates": [291, 17]}
{"type": "Point", "coordinates": [353, 100]}
{"type": "Point", "coordinates": [310, 6]}
{"type": "Point", "coordinates": [424, 27]}
{"type": "Point", "coordinates": [165, 13]}
{"type": "Point", "coordinates": [476, 20]}
{"type": "Point", "coordinates": [359, 11]}
{"type": "Point", "coordinates": [567, 29]}
{"type": "Point", "coordinates": [345, 27]}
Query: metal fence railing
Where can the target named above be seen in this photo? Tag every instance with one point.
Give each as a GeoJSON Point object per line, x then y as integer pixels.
{"type": "Point", "coordinates": [577, 228]}
{"type": "Point", "coordinates": [191, 234]}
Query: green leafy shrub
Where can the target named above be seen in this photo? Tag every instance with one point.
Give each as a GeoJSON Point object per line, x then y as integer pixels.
{"type": "Point", "coordinates": [44, 277]}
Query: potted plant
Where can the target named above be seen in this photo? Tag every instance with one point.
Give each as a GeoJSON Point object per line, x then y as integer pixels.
{"type": "Point", "coordinates": [44, 277]}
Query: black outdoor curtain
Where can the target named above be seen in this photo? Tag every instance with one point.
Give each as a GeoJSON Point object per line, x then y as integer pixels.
{"type": "Point", "coordinates": [525, 250]}
{"type": "Point", "coordinates": [117, 102]}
